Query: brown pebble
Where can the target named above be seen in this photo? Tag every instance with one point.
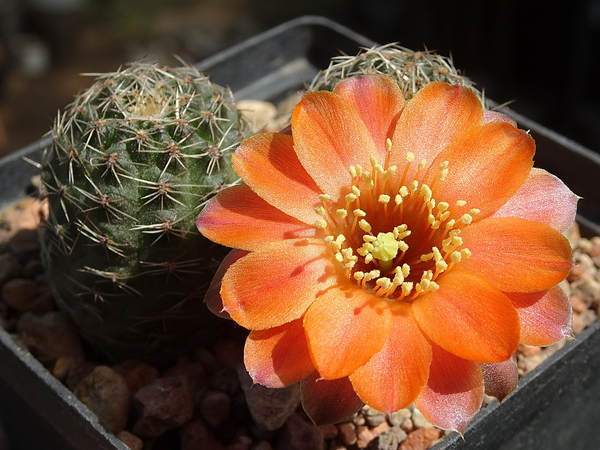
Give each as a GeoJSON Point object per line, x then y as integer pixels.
{"type": "Point", "coordinates": [50, 336]}
{"type": "Point", "coordinates": [529, 350]}
{"type": "Point", "coordinates": [384, 426]}
{"type": "Point", "coordinates": [164, 404]}
{"type": "Point", "coordinates": [136, 374]}
{"type": "Point", "coordinates": [105, 392]}
{"type": "Point", "coordinates": [330, 431]}
{"type": "Point", "coordinates": [215, 407]}
{"type": "Point", "coordinates": [348, 433]}
{"type": "Point", "coordinates": [407, 425]}
{"type": "Point", "coordinates": [20, 294]}
{"type": "Point", "coordinates": [196, 435]}
{"type": "Point", "coordinates": [238, 446]}
{"type": "Point", "coordinates": [364, 436]}
{"type": "Point", "coordinates": [9, 267]}
{"type": "Point", "coordinates": [578, 304]}
{"type": "Point", "coordinates": [131, 440]}
{"type": "Point", "coordinates": [193, 370]}
{"type": "Point", "coordinates": [420, 439]}
{"type": "Point", "coordinates": [578, 324]}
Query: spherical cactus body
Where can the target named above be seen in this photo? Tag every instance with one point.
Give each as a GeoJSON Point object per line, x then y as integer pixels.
{"type": "Point", "coordinates": [410, 69]}
{"type": "Point", "coordinates": [133, 160]}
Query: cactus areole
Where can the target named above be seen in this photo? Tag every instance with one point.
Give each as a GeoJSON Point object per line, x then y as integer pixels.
{"type": "Point", "coordinates": [133, 161]}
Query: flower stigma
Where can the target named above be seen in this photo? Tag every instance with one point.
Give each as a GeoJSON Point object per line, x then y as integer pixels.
{"type": "Point", "coordinates": [393, 238]}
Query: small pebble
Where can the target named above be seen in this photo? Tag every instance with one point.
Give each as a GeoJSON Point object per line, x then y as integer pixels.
{"type": "Point", "coordinates": [297, 434]}
{"type": "Point", "coordinates": [20, 294]}
{"type": "Point", "coordinates": [136, 374]}
{"type": "Point", "coordinates": [105, 392]}
{"type": "Point", "coordinates": [364, 436]}
{"type": "Point", "coordinates": [419, 420]}
{"type": "Point", "coordinates": [162, 405]}
{"type": "Point", "coordinates": [195, 435]}
{"type": "Point", "coordinates": [131, 440]}
{"type": "Point", "coordinates": [9, 267]}
{"type": "Point", "coordinates": [214, 408]}
{"type": "Point", "coordinates": [420, 439]}
{"type": "Point", "coordinates": [348, 433]}
{"type": "Point", "coordinates": [330, 431]}
{"type": "Point", "coordinates": [389, 439]}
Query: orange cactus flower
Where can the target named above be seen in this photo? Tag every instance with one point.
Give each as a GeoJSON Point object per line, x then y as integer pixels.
{"type": "Point", "coordinates": [392, 253]}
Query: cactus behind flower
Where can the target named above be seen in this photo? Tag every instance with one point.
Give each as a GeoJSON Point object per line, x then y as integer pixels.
{"type": "Point", "coordinates": [411, 70]}
{"type": "Point", "coordinates": [134, 159]}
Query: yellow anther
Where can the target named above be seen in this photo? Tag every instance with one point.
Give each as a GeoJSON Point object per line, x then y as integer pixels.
{"type": "Point", "coordinates": [388, 173]}
{"type": "Point", "coordinates": [456, 257]}
{"type": "Point", "coordinates": [350, 264]}
{"type": "Point", "coordinates": [407, 287]}
{"type": "Point", "coordinates": [414, 186]}
{"type": "Point", "coordinates": [369, 238]}
{"type": "Point", "coordinates": [374, 162]}
{"type": "Point", "coordinates": [383, 198]}
{"type": "Point", "coordinates": [433, 286]}
{"type": "Point", "coordinates": [450, 224]}
{"type": "Point", "coordinates": [403, 191]}
{"type": "Point", "coordinates": [365, 249]}
{"type": "Point", "coordinates": [340, 239]}
{"type": "Point", "coordinates": [431, 204]}
{"type": "Point", "coordinates": [422, 164]}
{"type": "Point", "coordinates": [430, 218]}
{"type": "Point", "coordinates": [364, 225]}
{"type": "Point", "coordinates": [321, 223]}
{"type": "Point", "coordinates": [465, 253]}
{"type": "Point", "coordinates": [341, 213]}
{"type": "Point", "coordinates": [466, 218]}
{"type": "Point", "coordinates": [410, 157]}
{"type": "Point", "coordinates": [443, 174]}
{"type": "Point", "coordinates": [368, 258]}
{"type": "Point", "coordinates": [426, 192]}
{"type": "Point", "coordinates": [461, 203]}
{"type": "Point", "coordinates": [426, 257]}
{"type": "Point", "coordinates": [402, 246]}
{"type": "Point", "coordinates": [440, 266]}
{"type": "Point", "coordinates": [324, 197]}
{"type": "Point", "coordinates": [348, 253]}
{"type": "Point", "coordinates": [320, 210]}
{"type": "Point", "coordinates": [405, 270]}
{"type": "Point", "coordinates": [350, 198]}
{"type": "Point", "coordinates": [328, 239]}
{"type": "Point", "coordinates": [358, 275]}
{"type": "Point", "coordinates": [356, 191]}
{"type": "Point", "coordinates": [427, 275]}
{"type": "Point", "coordinates": [454, 232]}
{"type": "Point", "coordinates": [437, 255]}
{"type": "Point", "coordinates": [435, 225]}
{"type": "Point", "coordinates": [384, 283]}
{"type": "Point", "coordinates": [442, 206]}
{"type": "Point", "coordinates": [372, 275]}
{"type": "Point", "coordinates": [359, 213]}
{"type": "Point", "coordinates": [398, 278]}
{"type": "Point", "coordinates": [353, 171]}
{"type": "Point", "coordinates": [398, 199]}
{"type": "Point", "coordinates": [444, 215]}
{"type": "Point", "coordinates": [444, 165]}
{"type": "Point", "coordinates": [388, 144]}
{"type": "Point", "coordinates": [339, 257]}
{"type": "Point", "coordinates": [474, 211]}
{"type": "Point", "coordinates": [358, 169]}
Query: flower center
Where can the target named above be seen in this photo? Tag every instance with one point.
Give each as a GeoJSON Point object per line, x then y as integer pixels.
{"type": "Point", "coordinates": [392, 238]}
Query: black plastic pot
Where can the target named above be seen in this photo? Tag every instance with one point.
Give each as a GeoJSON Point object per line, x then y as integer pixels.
{"type": "Point", "coordinates": [555, 406]}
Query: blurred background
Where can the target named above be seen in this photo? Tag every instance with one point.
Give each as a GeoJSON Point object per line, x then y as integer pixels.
{"type": "Point", "coordinates": [545, 58]}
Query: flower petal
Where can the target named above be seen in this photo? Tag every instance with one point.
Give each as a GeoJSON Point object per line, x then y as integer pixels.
{"type": "Point", "coordinates": [501, 378]}
{"type": "Point", "coordinates": [469, 317]}
{"type": "Point", "coordinates": [546, 317]}
{"type": "Point", "coordinates": [278, 357]}
{"type": "Point", "coordinates": [268, 164]}
{"type": "Point", "coordinates": [328, 401]}
{"type": "Point", "coordinates": [431, 120]}
{"type": "Point", "coordinates": [212, 298]}
{"type": "Point", "coordinates": [277, 283]}
{"type": "Point", "coordinates": [453, 393]}
{"type": "Point", "coordinates": [239, 218]}
{"type": "Point", "coordinates": [379, 101]}
{"type": "Point", "coordinates": [542, 198]}
{"type": "Point", "coordinates": [345, 327]}
{"type": "Point", "coordinates": [493, 116]}
{"type": "Point", "coordinates": [394, 377]}
{"type": "Point", "coordinates": [488, 164]}
{"type": "Point", "coordinates": [329, 137]}
{"type": "Point", "coordinates": [516, 255]}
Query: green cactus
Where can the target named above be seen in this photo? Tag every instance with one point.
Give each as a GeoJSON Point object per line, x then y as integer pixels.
{"type": "Point", "coordinates": [412, 70]}
{"type": "Point", "coordinates": [133, 161]}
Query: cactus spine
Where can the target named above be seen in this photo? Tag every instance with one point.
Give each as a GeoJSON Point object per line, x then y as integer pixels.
{"type": "Point", "coordinates": [410, 69]}
{"type": "Point", "coordinates": [133, 160]}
